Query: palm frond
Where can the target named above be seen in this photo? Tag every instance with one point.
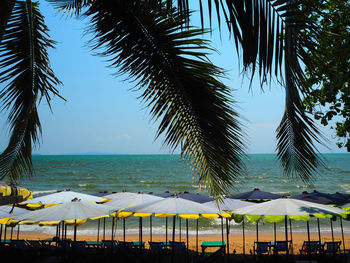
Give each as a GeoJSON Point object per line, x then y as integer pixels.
{"type": "Point", "coordinates": [6, 7]}
{"type": "Point", "coordinates": [179, 85]}
{"type": "Point", "coordinates": [70, 6]}
{"type": "Point", "coordinates": [27, 75]}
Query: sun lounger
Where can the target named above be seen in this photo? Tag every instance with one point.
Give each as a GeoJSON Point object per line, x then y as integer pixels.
{"type": "Point", "coordinates": [178, 247]}
{"type": "Point", "coordinates": [110, 245]}
{"type": "Point", "coordinates": [311, 247]}
{"type": "Point", "coordinates": [36, 244]}
{"type": "Point", "coordinates": [156, 246]}
{"type": "Point", "coordinates": [261, 248]}
{"type": "Point", "coordinates": [125, 245]}
{"type": "Point", "coordinates": [20, 244]}
{"type": "Point", "coordinates": [281, 246]}
{"type": "Point", "coordinates": [330, 247]}
{"type": "Point", "coordinates": [218, 244]}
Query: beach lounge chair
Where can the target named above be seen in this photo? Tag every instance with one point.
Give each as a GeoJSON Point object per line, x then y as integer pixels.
{"type": "Point", "coordinates": [281, 246]}
{"type": "Point", "coordinates": [157, 247]}
{"type": "Point", "coordinates": [20, 244]}
{"type": "Point", "coordinates": [311, 247]}
{"type": "Point", "coordinates": [81, 246]}
{"type": "Point", "coordinates": [261, 248]}
{"type": "Point", "coordinates": [218, 244]}
{"type": "Point", "coordinates": [179, 247]}
{"type": "Point", "coordinates": [110, 245]}
{"type": "Point", "coordinates": [125, 245]}
{"type": "Point", "coordinates": [35, 244]}
{"type": "Point", "coordinates": [331, 247]}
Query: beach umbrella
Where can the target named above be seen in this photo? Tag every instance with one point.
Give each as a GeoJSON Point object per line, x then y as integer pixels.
{"type": "Point", "coordinates": [113, 196]}
{"type": "Point", "coordinates": [61, 198]}
{"type": "Point", "coordinates": [176, 206]}
{"type": "Point", "coordinates": [75, 212]}
{"type": "Point", "coordinates": [195, 197]}
{"type": "Point", "coordinates": [229, 204]}
{"type": "Point", "coordinates": [131, 199]}
{"type": "Point", "coordinates": [166, 194]}
{"type": "Point", "coordinates": [256, 195]}
{"type": "Point", "coordinates": [10, 194]}
{"type": "Point", "coordinates": [294, 208]}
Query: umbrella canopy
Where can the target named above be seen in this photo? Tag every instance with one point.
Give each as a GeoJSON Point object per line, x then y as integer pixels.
{"type": "Point", "coordinates": [288, 207]}
{"type": "Point", "coordinates": [313, 197]}
{"type": "Point", "coordinates": [118, 195]}
{"type": "Point", "coordinates": [67, 211]}
{"type": "Point", "coordinates": [10, 194]}
{"type": "Point", "coordinates": [7, 212]}
{"type": "Point", "coordinates": [61, 198]}
{"type": "Point", "coordinates": [132, 199]}
{"type": "Point", "coordinates": [175, 205]}
{"type": "Point", "coordinates": [228, 204]}
{"type": "Point", "coordinates": [256, 194]}
{"type": "Point", "coordinates": [195, 197]}
{"type": "Point", "coordinates": [166, 194]}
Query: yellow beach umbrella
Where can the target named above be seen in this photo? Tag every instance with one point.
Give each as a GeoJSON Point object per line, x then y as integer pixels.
{"type": "Point", "coordinates": [10, 194]}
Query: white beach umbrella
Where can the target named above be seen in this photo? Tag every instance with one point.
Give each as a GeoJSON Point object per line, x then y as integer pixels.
{"type": "Point", "coordinates": [119, 195]}
{"type": "Point", "coordinates": [7, 211]}
{"type": "Point", "coordinates": [229, 204]}
{"type": "Point", "coordinates": [126, 199]}
{"type": "Point", "coordinates": [172, 206]}
{"type": "Point", "coordinates": [63, 197]}
{"type": "Point", "coordinates": [289, 207]}
{"type": "Point", "coordinates": [67, 211]}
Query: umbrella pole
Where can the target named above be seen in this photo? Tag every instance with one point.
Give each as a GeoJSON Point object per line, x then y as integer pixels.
{"type": "Point", "coordinates": [174, 221]}
{"type": "Point", "coordinates": [342, 233]}
{"type": "Point", "coordinates": [291, 235]}
{"type": "Point", "coordinates": [180, 227]}
{"type": "Point", "coordinates": [243, 237]}
{"type": "Point", "coordinates": [1, 234]}
{"type": "Point", "coordinates": [166, 230]}
{"type": "Point", "coordinates": [112, 235]}
{"type": "Point", "coordinates": [11, 232]}
{"type": "Point", "coordinates": [227, 236]}
{"type": "Point", "coordinates": [18, 232]}
{"type": "Point", "coordinates": [187, 240]}
{"type": "Point", "coordinates": [124, 229]}
{"type": "Point", "coordinates": [98, 230]}
{"type": "Point", "coordinates": [308, 236]}
{"type": "Point", "coordinates": [197, 237]}
{"type": "Point", "coordinates": [150, 228]}
{"type": "Point", "coordinates": [5, 233]}
{"type": "Point", "coordinates": [104, 228]}
{"type": "Point", "coordinates": [140, 219]}
{"type": "Point", "coordinates": [332, 230]}
{"type": "Point", "coordinates": [222, 231]}
{"type": "Point", "coordinates": [75, 233]}
{"type": "Point", "coordinates": [187, 234]}
{"type": "Point", "coordinates": [286, 229]}
{"type": "Point", "coordinates": [319, 232]}
{"type": "Point", "coordinates": [274, 231]}
{"type": "Point", "coordinates": [257, 231]}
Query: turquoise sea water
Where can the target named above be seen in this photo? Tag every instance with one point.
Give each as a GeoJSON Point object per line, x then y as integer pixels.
{"type": "Point", "coordinates": [157, 173]}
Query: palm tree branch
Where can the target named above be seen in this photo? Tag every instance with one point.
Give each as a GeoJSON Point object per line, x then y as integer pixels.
{"type": "Point", "coordinates": [180, 87]}
{"type": "Point", "coordinates": [27, 77]}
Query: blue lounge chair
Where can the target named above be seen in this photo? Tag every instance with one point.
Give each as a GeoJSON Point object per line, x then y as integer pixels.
{"type": "Point", "coordinates": [311, 247]}
{"type": "Point", "coordinates": [331, 247]}
{"type": "Point", "coordinates": [110, 245]}
{"type": "Point", "coordinates": [20, 244]}
{"type": "Point", "coordinates": [281, 246]}
{"type": "Point", "coordinates": [179, 247]}
{"type": "Point", "coordinates": [125, 245]}
{"type": "Point", "coordinates": [156, 246]}
{"type": "Point", "coordinates": [261, 248]}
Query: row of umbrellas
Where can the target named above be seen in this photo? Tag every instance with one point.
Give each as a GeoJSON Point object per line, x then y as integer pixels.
{"type": "Point", "coordinates": [146, 205]}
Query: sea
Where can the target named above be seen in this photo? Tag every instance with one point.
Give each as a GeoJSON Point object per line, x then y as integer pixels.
{"type": "Point", "coordinates": [91, 174]}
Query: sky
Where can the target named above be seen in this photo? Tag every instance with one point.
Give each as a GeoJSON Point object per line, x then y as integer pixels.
{"type": "Point", "coordinates": [102, 114]}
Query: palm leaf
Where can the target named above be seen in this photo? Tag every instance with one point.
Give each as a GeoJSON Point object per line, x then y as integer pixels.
{"type": "Point", "coordinates": [6, 7]}
{"type": "Point", "coordinates": [28, 77]}
{"type": "Point", "coordinates": [179, 85]}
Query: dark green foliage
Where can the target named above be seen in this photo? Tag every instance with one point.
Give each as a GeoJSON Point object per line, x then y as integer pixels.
{"type": "Point", "coordinates": [329, 79]}
{"type": "Point", "coordinates": [179, 85]}
{"type": "Point", "coordinates": [27, 76]}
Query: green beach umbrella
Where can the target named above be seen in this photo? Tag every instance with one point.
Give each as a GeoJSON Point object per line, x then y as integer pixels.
{"type": "Point", "coordinates": [278, 210]}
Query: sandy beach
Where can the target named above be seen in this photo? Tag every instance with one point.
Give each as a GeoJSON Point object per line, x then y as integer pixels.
{"type": "Point", "coordinates": [235, 240]}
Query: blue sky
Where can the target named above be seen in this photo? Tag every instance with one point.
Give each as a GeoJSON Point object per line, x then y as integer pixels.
{"type": "Point", "coordinates": [101, 114]}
